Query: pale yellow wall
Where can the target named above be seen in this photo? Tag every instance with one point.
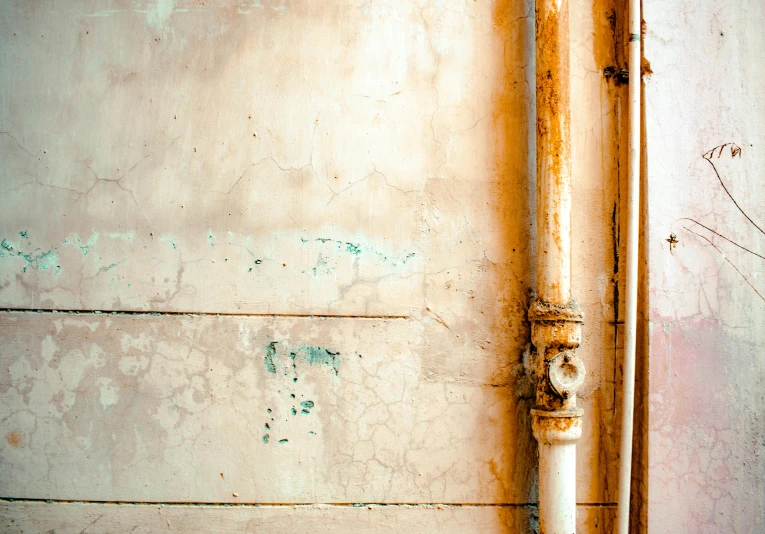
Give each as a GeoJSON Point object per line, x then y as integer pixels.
{"type": "Point", "coordinates": [350, 182]}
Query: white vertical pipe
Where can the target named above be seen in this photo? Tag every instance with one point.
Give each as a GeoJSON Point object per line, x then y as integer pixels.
{"type": "Point", "coordinates": [633, 230]}
{"type": "Point", "coordinates": [557, 486]}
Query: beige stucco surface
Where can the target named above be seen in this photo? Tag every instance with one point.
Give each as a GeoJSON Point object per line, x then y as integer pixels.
{"type": "Point", "coordinates": [706, 307]}
{"type": "Point", "coordinates": [76, 517]}
{"type": "Point", "coordinates": [350, 182]}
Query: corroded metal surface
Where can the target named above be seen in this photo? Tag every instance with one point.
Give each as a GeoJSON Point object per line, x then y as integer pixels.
{"type": "Point", "coordinates": [553, 152]}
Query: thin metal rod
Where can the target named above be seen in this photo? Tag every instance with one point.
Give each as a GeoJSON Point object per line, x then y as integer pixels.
{"type": "Point", "coordinates": [633, 232]}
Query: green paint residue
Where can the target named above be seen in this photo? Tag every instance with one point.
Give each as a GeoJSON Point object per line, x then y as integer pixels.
{"type": "Point", "coordinates": [211, 238]}
{"type": "Point", "coordinates": [353, 249]}
{"type": "Point", "coordinates": [265, 438]}
{"type": "Point", "coordinates": [84, 246]}
{"type": "Point", "coordinates": [268, 359]}
{"type": "Point", "coordinates": [37, 259]}
{"type": "Point", "coordinates": [124, 237]}
{"type": "Point", "coordinates": [310, 355]}
{"type": "Point", "coordinates": [357, 250]}
{"type": "Point", "coordinates": [24, 233]}
{"type": "Point", "coordinates": [322, 266]}
{"type": "Point", "coordinates": [320, 356]}
{"type": "Point", "coordinates": [158, 13]}
{"type": "Point", "coordinates": [169, 239]}
{"type": "Point", "coordinates": [307, 404]}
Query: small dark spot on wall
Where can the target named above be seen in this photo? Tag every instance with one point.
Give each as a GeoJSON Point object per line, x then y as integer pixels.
{"type": "Point", "coordinates": [15, 439]}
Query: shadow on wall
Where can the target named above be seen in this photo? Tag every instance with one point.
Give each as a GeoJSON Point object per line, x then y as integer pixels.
{"type": "Point", "coordinates": [513, 136]}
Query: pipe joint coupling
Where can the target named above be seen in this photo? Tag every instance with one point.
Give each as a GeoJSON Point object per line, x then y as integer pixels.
{"type": "Point", "coordinates": [555, 327]}
{"type": "Point", "coordinates": [557, 427]}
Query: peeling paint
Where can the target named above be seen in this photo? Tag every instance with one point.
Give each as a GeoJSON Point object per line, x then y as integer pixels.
{"type": "Point", "coordinates": [37, 259]}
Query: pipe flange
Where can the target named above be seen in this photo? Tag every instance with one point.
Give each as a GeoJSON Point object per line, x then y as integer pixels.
{"type": "Point", "coordinates": [558, 426]}
{"type": "Point", "coordinates": [566, 373]}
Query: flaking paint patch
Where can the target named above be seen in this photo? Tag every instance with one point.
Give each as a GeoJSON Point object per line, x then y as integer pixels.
{"type": "Point", "coordinates": [109, 393]}
{"type": "Point", "coordinates": [158, 13]}
{"type": "Point", "coordinates": [268, 359]}
{"type": "Point", "coordinates": [84, 246]}
{"type": "Point", "coordinates": [38, 259]}
{"type": "Point", "coordinates": [48, 348]}
{"type": "Point", "coordinates": [320, 356]}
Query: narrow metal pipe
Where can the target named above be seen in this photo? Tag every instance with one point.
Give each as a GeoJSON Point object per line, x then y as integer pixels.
{"type": "Point", "coordinates": [557, 483]}
{"type": "Point", "coordinates": [633, 232]}
{"type": "Point", "coordinates": [555, 318]}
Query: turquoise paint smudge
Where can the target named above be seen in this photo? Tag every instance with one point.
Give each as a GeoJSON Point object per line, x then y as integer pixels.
{"type": "Point", "coordinates": [307, 404]}
{"type": "Point", "coordinates": [170, 239]}
{"type": "Point", "coordinates": [84, 246]}
{"type": "Point", "coordinates": [357, 250]}
{"type": "Point", "coordinates": [293, 410]}
{"type": "Point", "coordinates": [320, 356]}
{"type": "Point", "coordinates": [321, 267]}
{"type": "Point", "coordinates": [353, 249]}
{"type": "Point", "coordinates": [124, 237]}
{"type": "Point", "coordinates": [283, 440]}
{"type": "Point", "coordinates": [307, 354]}
{"type": "Point", "coordinates": [268, 359]}
{"type": "Point", "coordinates": [24, 233]}
{"type": "Point", "coordinates": [211, 238]}
{"type": "Point", "coordinates": [158, 13]}
{"type": "Point", "coordinates": [38, 259]}
{"type": "Point", "coordinates": [265, 439]}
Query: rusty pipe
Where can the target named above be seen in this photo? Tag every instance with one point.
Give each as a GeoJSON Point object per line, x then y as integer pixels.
{"type": "Point", "coordinates": [556, 321]}
{"type": "Point", "coordinates": [553, 93]}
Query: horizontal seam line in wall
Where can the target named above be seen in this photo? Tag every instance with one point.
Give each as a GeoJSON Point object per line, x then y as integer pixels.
{"type": "Point", "coordinates": [296, 504]}
{"type": "Point", "coordinates": [200, 314]}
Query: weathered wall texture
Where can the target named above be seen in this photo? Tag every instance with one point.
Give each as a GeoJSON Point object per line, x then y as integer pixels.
{"type": "Point", "coordinates": [705, 104]}
{"type": "Point", "coordinates": [293, 242]}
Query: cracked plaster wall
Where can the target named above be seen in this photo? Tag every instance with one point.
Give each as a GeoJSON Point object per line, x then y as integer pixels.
{"type": "Point", "coordinates": [313, 221]}
{"type": "Point", "coordinates": [706, 311]}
